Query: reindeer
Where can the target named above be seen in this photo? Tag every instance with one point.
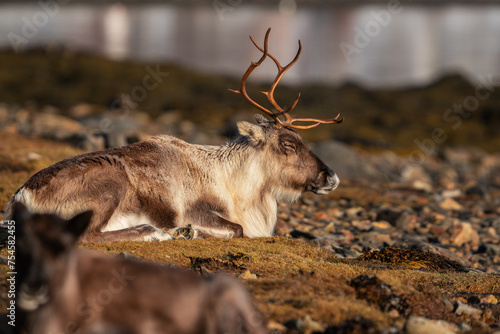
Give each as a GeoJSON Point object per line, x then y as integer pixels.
{"type": "Point", "coordinates": [137, 192]}
{"type": "Point", "coordinates": [62, 289]}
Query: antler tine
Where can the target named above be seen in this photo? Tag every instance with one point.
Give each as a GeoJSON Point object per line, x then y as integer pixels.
{"type": "Point", "coordinates": [250, 69]}
{"type": "Point", "coordinates": [270, 93]}
{"type": "Point", "coordinates": [335, 120]}
{"type": "Point", "coordinates": [289, 120]}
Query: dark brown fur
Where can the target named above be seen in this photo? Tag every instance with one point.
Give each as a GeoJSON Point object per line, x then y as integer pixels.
{"type": "Point", "coordinates": [65, 290]}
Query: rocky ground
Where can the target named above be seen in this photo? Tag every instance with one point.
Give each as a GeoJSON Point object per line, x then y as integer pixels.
{"type": "Point", "coordinates": [408, 243]}
{"type": "Point", "coordinates": [450, 207]}
{"type": "Point", "coordinates": [412, 250]}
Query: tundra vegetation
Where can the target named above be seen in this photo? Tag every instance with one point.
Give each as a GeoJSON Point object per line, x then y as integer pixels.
{"type": "Point", "coordinates": [302, 283]}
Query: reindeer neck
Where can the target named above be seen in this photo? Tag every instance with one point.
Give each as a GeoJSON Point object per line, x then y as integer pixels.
{"type": "Point", "coordinates": [245, 179]}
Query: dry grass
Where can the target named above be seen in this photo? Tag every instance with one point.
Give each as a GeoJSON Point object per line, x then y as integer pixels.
{"type": "Point", "coordinates": [15, 168]}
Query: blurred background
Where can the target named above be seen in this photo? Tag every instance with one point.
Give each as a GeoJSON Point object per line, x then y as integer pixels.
{"type": "Point", "coordinates": [396, 70]}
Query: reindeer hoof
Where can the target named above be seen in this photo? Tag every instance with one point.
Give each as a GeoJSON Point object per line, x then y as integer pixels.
{"type": "Point", "coordinates": [183, 233]}
{"type": "Point", "coordinates": [158, 235]}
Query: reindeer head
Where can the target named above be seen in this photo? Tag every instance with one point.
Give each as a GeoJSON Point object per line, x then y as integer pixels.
{"type": "Point", "coordinates": [299, 169]}
{"type": "Point", "coordinates": [44, 243]}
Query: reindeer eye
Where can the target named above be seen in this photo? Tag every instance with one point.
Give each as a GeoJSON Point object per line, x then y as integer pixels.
{"type": "Point", "coordinates": [289, 146]}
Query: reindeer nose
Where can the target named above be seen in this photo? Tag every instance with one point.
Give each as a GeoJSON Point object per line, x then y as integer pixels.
{"type": "Point", "coordinates": [327, 181]}
{"type": "Point", "coordinates": [333, 181]}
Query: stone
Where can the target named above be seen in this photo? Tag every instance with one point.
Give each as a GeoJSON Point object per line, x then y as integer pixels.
{"type": "Point", "coordinates": [451, 193]}
{"type": "Point", "coordinates": [275, 326]}
{"type": "Point", "coordinates": [354, 212]}
{"type": "Point", "coordinates": [53, 126]}
{"type": "Point", "coordinates": [464, 309]}
{"type": "Point", "coordinates": [347, 161]}
{"type": "Point", "coordinates": [421, 185]}
{"type": "Point", "coordinates": [330, 228]}
{"type": "Point", "coordinates": [417, 177]}
{"type": "Point", "coordinates": [475, 191]}
{"type": "Point", "coordinates": [306, 325]}
{"type": "Point", "coordinates": [321, 216]}
{"type": "Point", "coordinates": [388, 215]}
{"type": "Point", "coordinates": [33, 156]}
{"type": "Point", "coordinates": [407, 222]}
{"type": "Point", "coordinates": [450, 204]}
{"type": "Point", "coordinates": [247, 275]}
{"type": "Point", "coordinates": [421, 325]}
{"type": "Point", "coordinates": [488, 299]}
{"type": "Point", "coordinates": [384, 238]}
{"type": "Point", "coordinates": [464, 233]}
{"type": "Point", "coordinates": [362, 225]}
{"type": "Point", "coordinates": [382, 225]}
{"type": "Point", "coordinates": [437, 230]}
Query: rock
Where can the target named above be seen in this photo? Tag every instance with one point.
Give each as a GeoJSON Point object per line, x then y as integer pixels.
{"type": "Point", "coordinates": [407, 222]}
{"type": "Point", "coordinates": [462, 233]}
{"type": "Point", "coordinates": [348, 235]}
{"type": "Point", "coordinates": [353, 213]}
{"type": "Point", "coordinates": [448, 304]}
{"type": "Point", "coordinates": [53, 126]}
{"type": "Point", "coordinates": [464, 309]}
{"type": "Point", "coordinates": [362, 225]}
{"type": "Point", "coordinates": [247, 275]}
{"type": "Point", "coordinates": [450, 204]}
{"type": "Point", "coordinates": [384, 239]}
{"type": "Point", "coordinates": [275, 326]}
{"type": "Point", "coordinates": [493, 250]}
{"type": "Point", "coordinates": [382, 225]}
{"type": "Point", "coordinates": [448, 177]}
{"type": "Point", "coordinates": [388, 215]}
{"type": "Point", "coordinates": [421, 185]}
{"type": "Point", "coordinates": [321, 216]}
{"type": "Point", "coordinates": [451, 193]}
{"type": "Point", "coordinates": [457, 156]}
{"type": "Point", "coordinates": [348, 163]}
{"type": "Point", "coordinates": [476, 191]}
{"type": "Point", "coordinates": [421, 325]}
{"type": "Point", "coordinates": [82, 110]}
{"type": "Point", "coordinates": [32, 156]}
{"type": "Point", "coordinates": [416, 177]}
{"type": "Point", "coordinates": [306, 325]}
{"type": "Point", "coordinates": [488, 299]}
{"type": "Point", "coordinates": [299, 234]}
{"type": "Point", "coordinates": [492, 233]}
{"type": "Point", "coordinates": [330, 228]}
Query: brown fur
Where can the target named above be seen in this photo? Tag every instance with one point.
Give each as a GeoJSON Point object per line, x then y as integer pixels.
{"type": "Point", "coordinates": [163, 182]}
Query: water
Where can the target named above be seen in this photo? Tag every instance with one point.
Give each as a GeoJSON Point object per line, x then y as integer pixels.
{"type": "Point", "coordinates": [369, 44]}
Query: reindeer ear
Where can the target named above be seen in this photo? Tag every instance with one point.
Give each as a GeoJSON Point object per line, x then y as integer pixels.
{"type": "Point", "coordinates": [77, 225]}
{"type": "Point", "coordinates": [254, 132]}
{"type": "Point", "coordinates": [20, 214]}
{"type": "Point", "coordinates": [261, 120]}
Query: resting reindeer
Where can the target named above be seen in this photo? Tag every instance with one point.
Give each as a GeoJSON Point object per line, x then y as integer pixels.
{"type": "Point", "coordinates": [61, 289]}
{"type": "Point", "coordinates": [139, 190]}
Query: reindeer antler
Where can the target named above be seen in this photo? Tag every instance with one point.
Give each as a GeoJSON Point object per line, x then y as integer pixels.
{"type": "Point", "coordinates": [289, 120]}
